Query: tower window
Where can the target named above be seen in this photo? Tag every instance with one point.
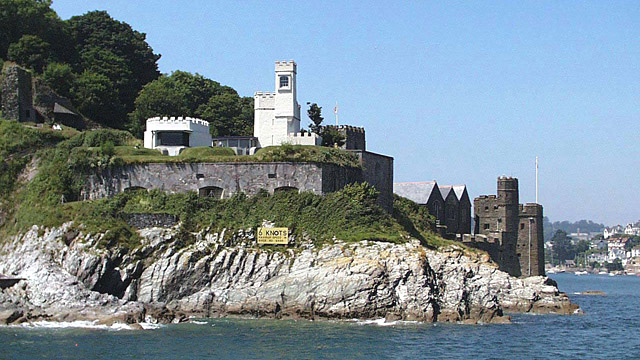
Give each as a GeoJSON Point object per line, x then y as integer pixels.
{"type": "Point", "coordinates": [284, 81]}
{"type": "Point", "coordinates": [522, 226]}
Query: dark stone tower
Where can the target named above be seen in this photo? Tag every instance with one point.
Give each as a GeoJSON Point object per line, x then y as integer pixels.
{"type": "Point", "coordinates": [530, 248]}
{"type": "Point", "coordinates": [17, 95]}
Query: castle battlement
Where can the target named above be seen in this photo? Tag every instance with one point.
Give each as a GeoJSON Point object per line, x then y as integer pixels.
{"type": "Point", "coordinates": [530, 209]}
{"type": "Point", "coordinates": [486, 197]}
{"type": "Point", "coordinates": [286, 65]}
{"type": "Point", "coordinates": [176, 120]}
{"type": "Point", "coordinates": [348, 128]}
{"type": "Point", "coordinates": [304, 134]}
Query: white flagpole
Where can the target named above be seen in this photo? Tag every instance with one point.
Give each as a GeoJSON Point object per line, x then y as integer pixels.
{"type": "Point", "coordinates": [335, 112]}
{"type": "Point", "coordinates": [536, 180]}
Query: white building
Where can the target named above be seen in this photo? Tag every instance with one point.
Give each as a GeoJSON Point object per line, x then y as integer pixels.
{"type": "Point", "coordinates": [277, 114]}
{"type": "Point", "coordinates": [172, 135]}
{"type": "Point", "coordinates": [632, 229]}
{"type": "Point", "coordinates": [609, 232]}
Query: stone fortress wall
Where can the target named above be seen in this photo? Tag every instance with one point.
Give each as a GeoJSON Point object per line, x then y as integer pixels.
{"type": "Point", "coordinates": [222, 180]}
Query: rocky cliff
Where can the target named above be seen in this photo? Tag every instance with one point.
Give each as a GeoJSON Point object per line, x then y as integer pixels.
{"type": "Point", "coordinates": [71, 277]}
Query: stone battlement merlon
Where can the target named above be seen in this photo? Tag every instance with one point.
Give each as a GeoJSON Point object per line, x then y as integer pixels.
{"type": "Point", "coordinates": [348, 128]}
{"type": "Point", "coordinates": [176, 120]}
{"type": "Point", "coordinates": [286, 65]}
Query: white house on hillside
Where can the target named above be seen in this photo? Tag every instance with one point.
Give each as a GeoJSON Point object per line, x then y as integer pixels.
{"type": "Point", "coordinates": [172, 135]}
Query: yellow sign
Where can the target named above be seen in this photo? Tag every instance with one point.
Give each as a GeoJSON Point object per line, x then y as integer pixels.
{"type": "Point", "coordinates": [278, 236]}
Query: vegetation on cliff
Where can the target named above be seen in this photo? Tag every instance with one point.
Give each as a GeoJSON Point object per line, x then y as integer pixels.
{"type": "Point", "coordinates": [50, 194]}
{"type": "Point", "coordinates": [109, 71]}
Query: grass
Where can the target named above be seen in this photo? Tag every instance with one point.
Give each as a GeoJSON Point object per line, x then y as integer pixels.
{"type": "Point", "coordinates": [65, 158]}
{"type": "Point", "coordinates": [284, 153]}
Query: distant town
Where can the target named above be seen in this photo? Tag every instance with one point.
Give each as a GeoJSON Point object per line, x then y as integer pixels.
{"type": "Point", "coordinates": [611, 250]}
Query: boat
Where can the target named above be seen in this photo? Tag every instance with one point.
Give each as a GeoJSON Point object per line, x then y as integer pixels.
{"type": "Point", "coordinates": [581, 273]}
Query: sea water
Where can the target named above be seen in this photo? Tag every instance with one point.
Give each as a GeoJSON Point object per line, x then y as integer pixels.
{"type": "Point", "coordinates": [608, 329]}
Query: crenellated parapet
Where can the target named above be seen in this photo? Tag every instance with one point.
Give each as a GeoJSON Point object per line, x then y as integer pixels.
{"type": "Point", "coordinates": [176, 120]}
{"type": "Point", "coordinates": [286, 65]}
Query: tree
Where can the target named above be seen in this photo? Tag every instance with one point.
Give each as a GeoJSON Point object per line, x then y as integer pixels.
{"type": "Point", "coordinates": [31, 52]}
{"type": "Point", "coordinates": [616, 265]}
{"type": "Point", "coordinates": [330, 135]}
{"type": "Point", "coordinates": [113, 49]}
{"type": "Point", "coordinates": [315, 114]}
{"type": "Point", "coordinates": [562, 248]}
{"type": "Point", "coordinates": [59, 77]}
{"type": "Point", "coordinates": [225, 115]}
{"type": "Point", "coordinates": [185, 94]}
{"type": "Point", "coordinates": [95, 95]}
{"type": "Point", "coordinates": [27, 17]}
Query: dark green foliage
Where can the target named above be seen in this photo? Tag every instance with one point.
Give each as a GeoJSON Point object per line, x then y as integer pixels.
{"type": "Point", "coordinates": [59, 77]}
{"type": "Point", "coordinates": [315, 114]}
{"type": "Point", "coordinates": [331, 137]}
{"type": "Point", "coordinates": [563, 249]}
{"type": "Point", "coordinates": [113, 49]}
{"type": "Point", "coordinates": [185, 94]}
{"type": "Point", "coordinates": [31, 17]}
{"type": "Point", "coordinates": [31, 52]}
{"type": "Point", "coordinates": [616, 265]}
{"type": "Point", "coordinates": [107, 61]}
{"type": "Point", "coordinates": [95, 97]}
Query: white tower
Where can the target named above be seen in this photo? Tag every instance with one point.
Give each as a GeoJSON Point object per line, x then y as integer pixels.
{"type": "Point", "coordinates": [277, 114]}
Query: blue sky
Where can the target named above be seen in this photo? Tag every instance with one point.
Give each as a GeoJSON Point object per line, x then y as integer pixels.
{"type": "Point", "coordinates": [460, 92]}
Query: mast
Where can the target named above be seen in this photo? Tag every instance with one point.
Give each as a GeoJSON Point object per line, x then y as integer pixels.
{"type": "Point", "coordinates": [537, 180]}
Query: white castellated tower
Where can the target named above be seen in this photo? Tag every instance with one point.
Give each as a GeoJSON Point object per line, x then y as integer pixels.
{"type": "Point", "coordinates": [277, 114]}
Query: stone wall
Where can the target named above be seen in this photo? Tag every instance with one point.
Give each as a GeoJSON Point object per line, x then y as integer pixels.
{"type": "Point", "coordinates": [377, 170]}
{"type": "Point", "coordinates": [222, 180]}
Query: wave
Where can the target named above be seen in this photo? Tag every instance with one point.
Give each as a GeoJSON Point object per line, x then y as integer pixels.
{"type": "Point", "coordinates": [383, 322]}
{"type": "Point", "coordinates": [82, 324]}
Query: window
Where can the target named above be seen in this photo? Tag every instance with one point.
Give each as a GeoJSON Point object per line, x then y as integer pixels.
{"type": "Point", "coordinates": [173, 138]}
{"type": "Point", "coordinates": [28, 113]}
{"type": "Point", "coordinates": [522, 226]}
{"type": "Point", "coordinates": [211, 191]}
{"type": "Point", "coordinates": [486, 226]}
{"type": "Point", "coordinates": [284, 81]}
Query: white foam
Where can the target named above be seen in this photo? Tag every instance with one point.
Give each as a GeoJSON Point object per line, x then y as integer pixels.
{"type": "Point", "coordinates": [198, 322]}
{"type": "Point", "coordinates": [383, 322]}
{"type": "Point", "coordinates": [86, 325]}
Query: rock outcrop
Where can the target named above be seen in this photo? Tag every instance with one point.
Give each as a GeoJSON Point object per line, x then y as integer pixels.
{"type": "Point", "coordinates": [69, 277]}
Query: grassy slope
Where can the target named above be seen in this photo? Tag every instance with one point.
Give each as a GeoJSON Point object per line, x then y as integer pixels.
{"type": "Point", "coordinates": [50, 198]}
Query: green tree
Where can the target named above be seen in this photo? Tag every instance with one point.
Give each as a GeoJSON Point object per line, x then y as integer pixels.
{"type": "Point", "coordinates": [185, 94]}
{"type": "Point", "coordinates": [59, 77]}
{"type": "Point", "coordinates": [95, 95]}
{"type": "Point", "coordinates": [31, 52]}
{"type": "Point", "coordinates": [113, 49]}
{"type": "Point", "coordinates": [562, 247]}
{"type": "Point", "coordinates": [225, 115]}
{"type": "Point", "coordinates": [315, 114]}
{"type": "Point", "coordinates": [330, 135]}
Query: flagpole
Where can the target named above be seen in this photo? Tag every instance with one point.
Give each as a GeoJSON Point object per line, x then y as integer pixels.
{"type": "Point", "coordinates": [335, 112]}
{"type": "Point", "coordinates": [536, 180]}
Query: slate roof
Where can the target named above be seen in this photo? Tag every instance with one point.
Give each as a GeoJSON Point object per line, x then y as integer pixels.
{"type": "Point", "coordinates": [459, 190]}
{"type": "Point", "coordinates": [418, 192]}
{"type": "Point", "coordinates": [445, 190]}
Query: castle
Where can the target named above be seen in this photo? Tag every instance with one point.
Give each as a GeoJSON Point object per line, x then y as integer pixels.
{"type": "Point", "coordinates": [510, 232]}
{"type": "Point", "coordinates": [277, 121]}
